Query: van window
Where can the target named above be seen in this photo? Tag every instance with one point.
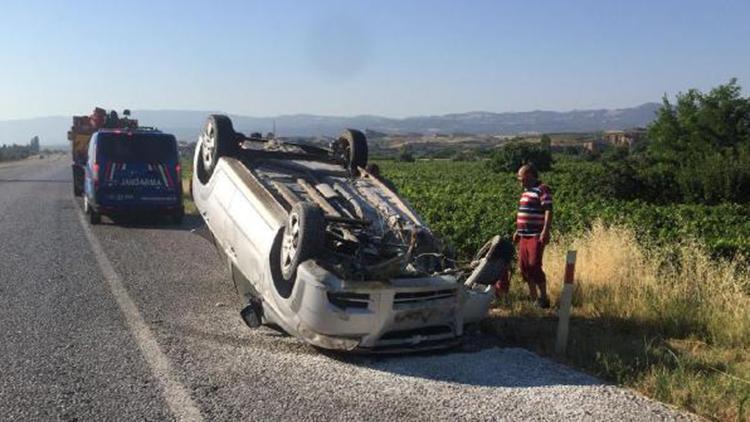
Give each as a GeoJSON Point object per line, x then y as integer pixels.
{"type": "Point", "coordinates": [134, 148]}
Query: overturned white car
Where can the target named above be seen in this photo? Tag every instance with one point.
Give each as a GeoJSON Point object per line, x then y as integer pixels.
{"type": "Point", "coordinates": [329, 253]}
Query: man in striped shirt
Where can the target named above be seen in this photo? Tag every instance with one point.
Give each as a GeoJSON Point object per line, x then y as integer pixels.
{"type": "Point", "coordinates": [533, 223]}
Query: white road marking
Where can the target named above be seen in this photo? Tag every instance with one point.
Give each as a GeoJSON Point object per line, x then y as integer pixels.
{"type": "Point", "coordinates": [175, 394]}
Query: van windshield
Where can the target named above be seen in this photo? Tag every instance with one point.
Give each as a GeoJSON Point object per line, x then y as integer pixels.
{"type": "Point", "coordinates": [133, 148]}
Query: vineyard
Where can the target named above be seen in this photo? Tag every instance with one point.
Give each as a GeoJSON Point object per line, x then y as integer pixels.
{"type": "Point", "coordinates": [467, 203]}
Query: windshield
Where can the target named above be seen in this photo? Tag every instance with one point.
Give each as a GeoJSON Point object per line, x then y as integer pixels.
{"type": "Point", "coordinates": [139, 147]}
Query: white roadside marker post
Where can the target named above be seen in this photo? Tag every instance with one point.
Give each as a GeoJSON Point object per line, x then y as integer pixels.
{"type": "Point", "coordinates": [566, 299]}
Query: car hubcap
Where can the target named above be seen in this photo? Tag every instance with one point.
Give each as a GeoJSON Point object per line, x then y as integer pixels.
{"type": "Point", "coordinates": [208, 144]}
{"type": "Point", "coordinates": [290, 243]}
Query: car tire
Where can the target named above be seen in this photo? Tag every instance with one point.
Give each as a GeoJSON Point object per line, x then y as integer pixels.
{"type": "Point", "coordinates": [355, 145]}
{"type": "Point", "coordinates": [303, 237]}
{"type": "Point", "coordinates": [218, 139]}
{"type": "Point", "coordinates": [178, 216]}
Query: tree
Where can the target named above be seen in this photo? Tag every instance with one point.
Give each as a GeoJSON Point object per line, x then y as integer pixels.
{"type": "Point", "coordinates": [405, 156]}
{"type": "Point", "coordinates": [515, 154]}
{"type": "Point", "coordinates": [34, 145]}
{"type": "Point", "coordinates": [703, 140]}
{"type": "Point", "coordinates": [546, 143]}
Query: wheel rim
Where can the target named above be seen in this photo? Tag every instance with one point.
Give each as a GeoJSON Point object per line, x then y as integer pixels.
{"type": "Point", "coordinates": [290, 243]}
{"type": "Point", "coordinates": [208, 144]}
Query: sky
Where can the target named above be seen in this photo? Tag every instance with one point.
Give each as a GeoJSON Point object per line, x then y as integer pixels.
{"type": "Point", "coordinates": [391, 58]}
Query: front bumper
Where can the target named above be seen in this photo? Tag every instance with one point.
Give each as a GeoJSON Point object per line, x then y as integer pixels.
{"type": "Point", "coordinates": [399, 315]}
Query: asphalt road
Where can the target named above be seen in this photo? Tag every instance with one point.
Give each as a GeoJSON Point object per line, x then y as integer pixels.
{"type": "Point", "coordinates": [139, 321]}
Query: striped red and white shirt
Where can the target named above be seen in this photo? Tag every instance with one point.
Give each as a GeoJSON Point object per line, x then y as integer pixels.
{"type": "Point", "coordinates": [534, 202]}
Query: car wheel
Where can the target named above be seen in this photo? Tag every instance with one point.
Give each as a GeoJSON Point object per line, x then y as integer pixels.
{"type": "Point", "coordinates": [178, 216]}
{"type": "Point", "coordinates": [355, 147]}
{"type": "Point", "coordinates": [217, 139]}
{"type": "Point", "coordinates": [303, 237]}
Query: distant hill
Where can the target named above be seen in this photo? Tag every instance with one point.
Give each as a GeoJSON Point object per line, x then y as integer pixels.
{"type": "Point", "coordinates": [186, 124]}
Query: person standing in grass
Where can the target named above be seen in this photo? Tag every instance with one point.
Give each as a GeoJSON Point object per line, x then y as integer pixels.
{"type": "Point", "coordinates": [533, 224]}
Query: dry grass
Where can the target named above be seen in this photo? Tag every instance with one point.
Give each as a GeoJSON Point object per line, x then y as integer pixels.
{"type": "Point", "coordinates": [682, 291]}
{"type": "Point", "coordinates": [187, 174]}
{"type": "Point", "coordinates": [670, 322]}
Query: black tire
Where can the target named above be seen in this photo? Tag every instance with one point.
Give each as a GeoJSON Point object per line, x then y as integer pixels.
{"type": "Point", "coordinates": [355, 143]}
{"type": "Point", "coordinates": [303, 238]}
{"type": "Point", "coordinates": [218, 139]}
{"type": "Point", "coordinates": [178, 216]}
{"type": "Point", "coordinates": [94, 217]}
{"type": "Point", "coordinates": [77, 181]}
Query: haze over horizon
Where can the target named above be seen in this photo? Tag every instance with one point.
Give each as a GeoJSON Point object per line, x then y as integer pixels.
{"type": "Point", "coordinates": [385, 58]}
{"type": "Point", "coordinates": [341, 116]}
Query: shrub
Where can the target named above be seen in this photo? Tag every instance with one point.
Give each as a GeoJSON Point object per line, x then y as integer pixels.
{"type": "Point", "coordinates": [512, 156]}
{"type": "Point", "coordinates": [405, 156]}
{"type": "Point", "coordinates": [704, 139]}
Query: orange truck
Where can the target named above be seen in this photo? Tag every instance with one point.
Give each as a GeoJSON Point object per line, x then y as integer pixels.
{"type": "Point", "coordinates": [80, 133]}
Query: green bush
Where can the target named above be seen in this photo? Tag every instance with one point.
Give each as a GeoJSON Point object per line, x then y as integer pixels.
{"type": "Point", "coordinates": [512, 156]}
{"type": "Point", "coordinates": [704, 142]}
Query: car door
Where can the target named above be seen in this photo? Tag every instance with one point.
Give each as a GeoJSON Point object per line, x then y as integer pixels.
{"type": "Point", "coordinates": [215, 211]}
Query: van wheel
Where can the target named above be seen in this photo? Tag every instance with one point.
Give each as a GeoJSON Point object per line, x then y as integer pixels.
{"type": "Point", "coordinates": [354, 144]}
{"type": "Point", "coordinates": [94, 217]}
{"type": "Point", "coordinates": [303, 237]}
{"type": "Point", "coordinates": [78, 177]}
{"type": "Point", "coordinates": [217, 139]}
{"type": "Point", "coordinates": [178, 216]}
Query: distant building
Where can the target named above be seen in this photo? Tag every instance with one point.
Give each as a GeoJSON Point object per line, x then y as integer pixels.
{"type": "Point", "coordinates": [624, 138]}
{"type": "Point", "coordinates": [598, 145]}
